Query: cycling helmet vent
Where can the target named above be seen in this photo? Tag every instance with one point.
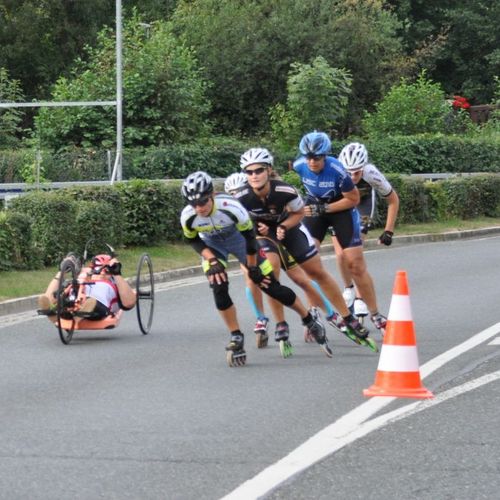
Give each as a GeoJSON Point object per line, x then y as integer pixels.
{"type": "Point", "coordinates": [256, 155]}
{"type": "Point", "coordinates": [197, 185]}
{"type": "Point", "coordinates": [234, 182]}
{"type": "Point", "coordinates": [315, 143]}
{"type": "Point", "coordinates": [354, 156]}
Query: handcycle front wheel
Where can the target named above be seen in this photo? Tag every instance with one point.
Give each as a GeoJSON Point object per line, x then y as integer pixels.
{"type": "Point", "coordinates": [144, 286]}
{"type": "Point", "coordinates": [67, 291]}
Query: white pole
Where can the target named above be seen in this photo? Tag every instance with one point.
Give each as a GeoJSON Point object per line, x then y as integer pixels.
{"type": "Point", "coordinates": [119, 94]}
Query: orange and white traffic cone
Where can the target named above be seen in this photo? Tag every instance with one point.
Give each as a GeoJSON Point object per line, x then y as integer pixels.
{"type": "Point", "coordinates": [398, 372]}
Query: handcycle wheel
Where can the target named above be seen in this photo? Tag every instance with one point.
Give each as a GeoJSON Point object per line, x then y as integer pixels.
{"type": "Point", "coordinates": [144, 286]}
{"type": "Point", "coordinates": [67, 291]}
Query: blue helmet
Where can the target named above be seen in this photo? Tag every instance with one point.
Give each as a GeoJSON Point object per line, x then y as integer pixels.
{"type": "Point", "coordinates": [315, 143]}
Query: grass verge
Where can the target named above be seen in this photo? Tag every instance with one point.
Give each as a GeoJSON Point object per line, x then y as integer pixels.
{"type": "Point", "coordinates": [15, 284]}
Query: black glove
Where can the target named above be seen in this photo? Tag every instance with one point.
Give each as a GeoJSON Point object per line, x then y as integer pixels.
{"type": "Point", "coordinates": [318, 209]}
{"type": "Point", "coordinates": [386, 238]}
{"type": "Point", "coordinates": [115, 269]}
{"type": "Point", "coordinates": [215, 268]}
{"type": "Point", "coordinates": [256, 275]}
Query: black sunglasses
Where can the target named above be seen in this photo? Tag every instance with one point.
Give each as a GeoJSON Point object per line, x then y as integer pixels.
{"type": "Point", "coordinates": [255, 171]}
{"type": "Point", "coordinates": [311, 156]}
{"type": "Point", "coordinates": [200, 202]}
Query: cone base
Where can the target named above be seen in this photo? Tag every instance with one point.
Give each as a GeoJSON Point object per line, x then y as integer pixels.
{"type": "Point", "coordinates": [420, 393]}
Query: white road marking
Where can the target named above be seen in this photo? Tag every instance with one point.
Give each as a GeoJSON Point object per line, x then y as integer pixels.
{"type": "Point", "coordinates": [354, 425]}
{"type": "Point", "coordinates": [495, 341]}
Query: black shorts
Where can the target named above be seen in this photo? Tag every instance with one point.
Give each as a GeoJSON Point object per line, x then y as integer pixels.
{"type": "Point", "coordinates": [345, 224]}
{"type": "Point", "coordinates": [270, 245]}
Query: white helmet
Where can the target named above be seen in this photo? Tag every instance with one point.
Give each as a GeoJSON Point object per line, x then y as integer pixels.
{"type": "Point", "coordinates": [197, 185]}
{"type": "Point", "coordinates": [256, 155]}
{"type": "Point", "coordinates": [234, 182]}
{"type": "Point", "coordinates": [354, 156]}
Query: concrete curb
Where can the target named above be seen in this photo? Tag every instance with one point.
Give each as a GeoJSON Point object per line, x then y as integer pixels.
{"type": "Point", "coordinates": [25, 304]}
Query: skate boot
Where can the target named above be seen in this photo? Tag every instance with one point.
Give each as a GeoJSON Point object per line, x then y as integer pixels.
{"type": "Point", "coordinates": [380, 322]}
{"type": "Point", "coordinates": [336, 321]}
{"type": "Point", "coordinates": [360, 309]}
{"type": "Point", "coordinates": [317, 330]}
{"type": "Point", "coordinates": [235, 354]}
{"type": "Point", "coordinates": [349, 295]}
{"type": "Point", "coordinates": [281, 335]}
{"type": "Point", "coordinates": [355, 331]}
{"type": "Point", "coordinates": [260, 331]}
{"type": "Point", "coordinates": [308, 336]}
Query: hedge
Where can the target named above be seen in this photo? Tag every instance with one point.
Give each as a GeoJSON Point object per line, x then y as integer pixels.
{"type": "Point", "coordinates": [220, 157]}
{"type": "Point", "coordinates": [40, 228]}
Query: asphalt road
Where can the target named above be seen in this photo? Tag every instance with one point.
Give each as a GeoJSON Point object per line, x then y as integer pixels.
{"type": "Point", "coordinates": [120, 415]}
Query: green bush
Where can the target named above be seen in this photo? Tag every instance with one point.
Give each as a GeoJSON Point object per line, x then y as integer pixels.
{"type": "Point", "coordinates": [16, 242]}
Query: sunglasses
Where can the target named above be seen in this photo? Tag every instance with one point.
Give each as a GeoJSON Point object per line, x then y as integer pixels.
{"type": "Point", "coordinates": [255, 171]}
{"type": "Point", "coordinates": [310, 156]}
{"type": "Point", "coordinates": [200, 202]}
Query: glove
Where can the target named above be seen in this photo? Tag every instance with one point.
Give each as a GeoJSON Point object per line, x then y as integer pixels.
{"type": "Point", "coordinates": [215, 268]}
{"type": "Point", "coordinates": [386, 238]}
{"type": "Point", "coordinates": [255, 274]}
{"type": "Point", "coordinates": [318, 209]}
{"type": "Point", "coordinates": [115, 269]}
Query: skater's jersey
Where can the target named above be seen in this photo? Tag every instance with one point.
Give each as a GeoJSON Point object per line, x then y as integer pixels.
{"type": "Point", "coordinates": [371, 183]}
{"type": "Point", "coordinates": [226, 218]}
{"type": "Point", "coordinates": [275, 208]}
{"type": "Point", "coordinates": [326, 186]}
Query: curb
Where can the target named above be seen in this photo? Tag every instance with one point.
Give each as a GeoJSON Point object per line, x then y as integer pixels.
{"type": "Point", "coordinates": [25, 304]}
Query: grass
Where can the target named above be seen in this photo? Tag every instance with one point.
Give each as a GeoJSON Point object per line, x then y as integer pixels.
{"type": "Point", "coordinates": [14, 284]}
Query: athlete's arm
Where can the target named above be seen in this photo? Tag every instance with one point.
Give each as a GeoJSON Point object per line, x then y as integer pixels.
{"type": "Point", "coordinates": [392, 210]}
{"type": "Point", "coordinates": [349, 200]}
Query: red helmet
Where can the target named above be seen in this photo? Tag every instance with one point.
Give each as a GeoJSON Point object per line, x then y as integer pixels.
{"type": "Point", "coordinates": [100, 261]}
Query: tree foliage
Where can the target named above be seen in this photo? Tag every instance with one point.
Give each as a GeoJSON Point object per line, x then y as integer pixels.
{"type": "Point", "coordinates": [317, 99]}
{"type": "Point", "coordinates": [164, 94]}
{"type": "Point", "coordinates": [10, 118]}
{"type": "Point", "coordinates": [247, 49]}
{"type": "Point", "coordinates": [408, 109]}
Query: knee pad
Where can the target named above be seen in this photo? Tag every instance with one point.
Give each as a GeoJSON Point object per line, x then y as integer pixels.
{"type": "Point", "coordinates": [221, 295]}
{"type": "Point", "coordinates": [280, 292]}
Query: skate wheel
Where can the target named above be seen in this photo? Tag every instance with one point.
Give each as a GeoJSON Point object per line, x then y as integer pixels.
{"type": "Point", "coordinates": [286, 348]}
{"type": "Point", "coordinates": [361, 318]}
{"type": "Point", "coordinates": [352, 337]}
{"type": "Point", "coordinates": [371, 344]}
{"type": "Point", "coordinates": [261, 340]}
{"type": "Point", "coordinates": [326, 349]}
{"type": "Point", "coordinates": [236, 359]}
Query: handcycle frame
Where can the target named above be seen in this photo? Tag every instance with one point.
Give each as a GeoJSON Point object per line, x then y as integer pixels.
{"type": "Point", "coordinates": [70, 296]}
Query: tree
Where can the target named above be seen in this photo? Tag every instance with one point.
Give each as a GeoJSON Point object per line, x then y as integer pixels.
{"type": "Point", "coordinates": [247, 49]}
{"type": "Point", "coordinates": [10, 118]}
{"type": "Point", "coordinates": [408, 109]}
{"type": "Point", "coordinates": [317, 98]}
{"type": "Point", "coordinates": [164, 94]}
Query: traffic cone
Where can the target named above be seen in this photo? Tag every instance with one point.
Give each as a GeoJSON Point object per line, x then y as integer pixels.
{"type": "Point", "coordinates": [398, 372]}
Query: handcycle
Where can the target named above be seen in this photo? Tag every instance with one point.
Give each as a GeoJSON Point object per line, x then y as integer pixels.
{"type": "Point", "coordinates": [73, 281]}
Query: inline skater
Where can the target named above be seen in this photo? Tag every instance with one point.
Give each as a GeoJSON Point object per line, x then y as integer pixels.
{"type": "Point", "coordinates": [279, 207]}
{"type": "Point", "coordinates": [370, 183]}
{"type": "Point", "coordinates": [331, 202]}
{"type": "Point", "coordinates": [233, 183]}
{"type": "Point", "coordinates": [216, 225]}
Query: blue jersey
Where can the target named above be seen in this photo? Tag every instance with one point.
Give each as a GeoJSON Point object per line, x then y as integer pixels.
{"type": "Point", "coordinates": [328, 185]}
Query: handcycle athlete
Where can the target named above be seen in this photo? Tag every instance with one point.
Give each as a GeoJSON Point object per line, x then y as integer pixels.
{"type": "Point", "coordinates": [94, 296]}
{"type": "Point", "coordinates": [216, 225]}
